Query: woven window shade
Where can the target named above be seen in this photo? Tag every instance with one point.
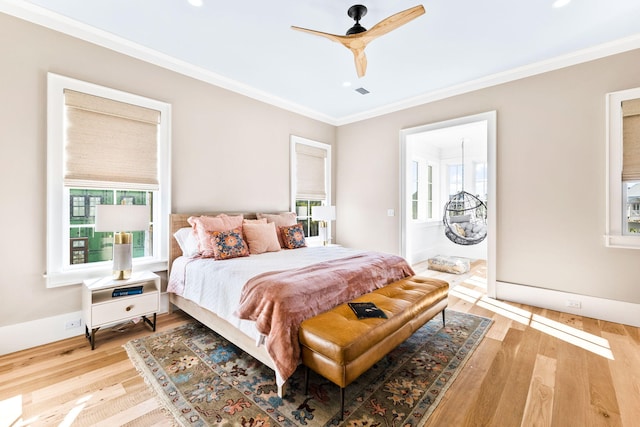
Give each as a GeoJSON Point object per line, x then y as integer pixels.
{"type": "Point", "coordinates": [631, 140]}
{"type": "Point", "coordinates": [110, 144]}
{"type": "Point", "coordinates": [310, 172]}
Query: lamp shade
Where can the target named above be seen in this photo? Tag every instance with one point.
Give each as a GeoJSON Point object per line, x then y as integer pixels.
{"type": "Point", "coordinates": [323, 213]}
{"type": "Point", "coordinates": [122, 217]}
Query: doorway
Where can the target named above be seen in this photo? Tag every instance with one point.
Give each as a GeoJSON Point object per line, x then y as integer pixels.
{"type": "Point", "coordinates": [438, 160]}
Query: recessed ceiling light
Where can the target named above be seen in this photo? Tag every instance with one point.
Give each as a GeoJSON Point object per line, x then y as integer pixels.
{"type": "Point", "coordinates": [196, 3]}
{"type": "Point", "coordinates": [346, 84]}
{"type": "Point", "coordinates": [561, 3]}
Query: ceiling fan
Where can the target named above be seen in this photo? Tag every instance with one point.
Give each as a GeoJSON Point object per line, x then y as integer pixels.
{"type": "Point", "coordinates": [357, 36]}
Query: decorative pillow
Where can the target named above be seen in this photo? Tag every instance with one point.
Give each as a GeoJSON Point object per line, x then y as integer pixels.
{"type": "Point", "coordinates": [187, 241]}
{"type": "Point", "coordinates": [293, 236]}
{"type": "Point", "coordinates": [254, 221]}
{"type": "Point", "coordinates": [460, 218]}
{"type": "Point", "coordinates": [281, 220]}
{"type": "Point", "coordinates": [204, 225]}
{"type": "Point", "coordinates": [261, 237]}
{"type": "Point", "coordinates": [459, 229]}
{"type": "Point", "coordinates": [229, 244]}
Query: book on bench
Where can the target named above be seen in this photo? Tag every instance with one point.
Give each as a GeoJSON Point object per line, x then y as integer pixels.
{"type": "Point", "coordinates": [366, 310]}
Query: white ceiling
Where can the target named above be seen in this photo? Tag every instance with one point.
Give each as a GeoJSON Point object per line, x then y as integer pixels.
{"type": "Point", "coordinates": [248, 46]}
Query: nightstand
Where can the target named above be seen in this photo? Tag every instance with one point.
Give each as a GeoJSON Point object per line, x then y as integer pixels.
{"type": "Point", "coordinates": [100, 308]}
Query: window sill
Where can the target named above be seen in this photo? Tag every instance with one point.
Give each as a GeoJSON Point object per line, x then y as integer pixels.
{"type": "Point", "coordinates": [622, 242]}
{"type": "Point", "coordinates": [76, 276]}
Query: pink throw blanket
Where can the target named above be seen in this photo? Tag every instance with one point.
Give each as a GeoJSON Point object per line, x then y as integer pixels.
{"type": "Point", "coordinates": [279, 301]}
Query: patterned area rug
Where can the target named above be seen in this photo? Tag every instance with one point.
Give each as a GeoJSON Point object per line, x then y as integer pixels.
{"type": "Point", "coordinates": [203, 380]}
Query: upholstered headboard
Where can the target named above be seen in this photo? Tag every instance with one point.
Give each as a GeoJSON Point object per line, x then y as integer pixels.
{"type": "Point", "coordinates": [179, 220]}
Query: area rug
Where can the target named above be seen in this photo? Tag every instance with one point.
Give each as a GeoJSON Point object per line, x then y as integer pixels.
{"type": "Point", "coordinates": [203, 380]}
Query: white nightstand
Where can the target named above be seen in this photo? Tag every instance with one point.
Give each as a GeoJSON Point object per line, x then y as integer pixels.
{"type": "Point", "coordinates": [101, 308]}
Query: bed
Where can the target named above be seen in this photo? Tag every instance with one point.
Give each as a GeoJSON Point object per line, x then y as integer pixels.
{"type": "Point", "coordinates": [193, 279]}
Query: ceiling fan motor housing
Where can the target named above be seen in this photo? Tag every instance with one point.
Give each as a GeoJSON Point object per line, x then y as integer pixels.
{"type": "Point", "coordinates": [356, 12]}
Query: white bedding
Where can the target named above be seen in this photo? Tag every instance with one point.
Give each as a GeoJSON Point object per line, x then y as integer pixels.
{"type": "Point", "coordinates": [217, 285]}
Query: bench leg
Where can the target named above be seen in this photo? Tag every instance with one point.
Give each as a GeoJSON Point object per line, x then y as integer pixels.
{"type": "Point", "coordinates": [306, 379]}
{"type": "Point", "coordinates": [443, 317]}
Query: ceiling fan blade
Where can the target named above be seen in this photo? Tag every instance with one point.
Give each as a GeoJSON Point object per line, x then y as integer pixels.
{"type": "Point", "coordinates": [351, 42]}
{"type": "Point", "coordinates": [360, 60]}
{"type": "Point", "coordinates": [333, 37]}
{"type": "Point", "coordinates": [393, 22]}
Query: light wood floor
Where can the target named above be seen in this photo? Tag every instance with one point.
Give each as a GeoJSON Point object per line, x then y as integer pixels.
{"type": "Point", "coordinates": [534, 368]}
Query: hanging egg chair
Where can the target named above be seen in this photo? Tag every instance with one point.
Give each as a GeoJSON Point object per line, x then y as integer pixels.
{"type": "Point", "coordinates": [465, 216]}
{"type": "Point", "coordinates": [465, 219]}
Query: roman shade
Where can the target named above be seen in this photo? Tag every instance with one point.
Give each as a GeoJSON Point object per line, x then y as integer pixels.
{"type": "Point", "coordinates": [310, 172]}
{"type": "Point", "coordinates": [631, 140]}
{"type": "Point", "coordinates": [109, 144]}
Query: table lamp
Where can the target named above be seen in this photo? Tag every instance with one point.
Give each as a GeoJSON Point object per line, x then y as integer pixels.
{"type": "Point", "coordinates": [121, 220]}
{"type": "Point", "coordinates": [323, 214]}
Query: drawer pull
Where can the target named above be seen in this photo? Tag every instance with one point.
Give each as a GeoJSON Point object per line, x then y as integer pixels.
{"type": "Point", "coordinates": [129, 307]}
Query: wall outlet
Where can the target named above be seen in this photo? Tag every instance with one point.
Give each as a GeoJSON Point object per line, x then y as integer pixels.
{"type": "Point", "coordinates": [573, 303]}
{"type": "Point", "coordinates": [71, 324]}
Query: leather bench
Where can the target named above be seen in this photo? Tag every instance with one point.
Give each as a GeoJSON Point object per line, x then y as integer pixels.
{"type": "Point", "coordinates": [340, 347]}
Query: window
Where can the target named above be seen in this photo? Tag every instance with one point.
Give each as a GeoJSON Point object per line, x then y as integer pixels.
{"type": "Point", "coordinates": [421, 190]}
{"type": "Point", "coordinates": [429, 192]}
{"type": "Point", "coordinates": [310, 181]}
{"type": "Point", "coordinates": [415, 188]}
{"type": "Point", "coordinates": [632, 198]}
{"type": "Point", "coordinates": [480, 180]}
{"type": "Point", "coordinates": [623, 174]}
{"type": "Point", "coordinates": [455, 177]}
{"type": "Point", "coordinates": [103, 147]}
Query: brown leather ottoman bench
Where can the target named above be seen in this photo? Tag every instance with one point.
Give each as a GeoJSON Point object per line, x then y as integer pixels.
{"type": "Point", "coordinates": [340, 347]}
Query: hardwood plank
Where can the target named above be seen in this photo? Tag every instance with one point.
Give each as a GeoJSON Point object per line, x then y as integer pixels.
{"type": "Point", "coordinates": [538, 410]}
{"type": "Point", "coordinates": [45, 379]}
{"type": "Point", "coordinates": [127, 415]}
{"type": "Point", "coordinates": [513, 399]}
{"type": "Point", "coordinates": [604, 405]}
{"type": "Point", "coordinates": [625, 374]}
{"type": "Point", "coordinates": [482, 411]}
{"type": "Point", "coordinates": [499, 327]}
{"type": "Point", "coordinates": [633, 333]}
{"type": "Point", "coordinates": [548, 343]}
{"type": "Point", "coordinates": [571, 406]}
{"type": "Point", "coordinates": [465, 389]}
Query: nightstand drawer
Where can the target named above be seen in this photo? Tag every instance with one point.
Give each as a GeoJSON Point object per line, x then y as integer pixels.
{"type": "Point", "coordinates": [122, 308]}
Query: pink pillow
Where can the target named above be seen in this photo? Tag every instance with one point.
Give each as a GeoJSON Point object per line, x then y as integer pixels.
{"type": "Point", "coordinates": [254, 221]}
{"type": "Point", "coordinates": [204, 225]}
{"type": "Point", "coordinates": [280, 220]}
{"type": "Point", "coordinates": [261, 237]}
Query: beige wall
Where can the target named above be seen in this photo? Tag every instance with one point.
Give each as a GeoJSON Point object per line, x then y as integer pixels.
{"type": "Point", "coordinates": [550, 178]}
{"type": "Point", "coordinates": [229, 152]}
{"type": "Point", "coordinates": [551, 164]}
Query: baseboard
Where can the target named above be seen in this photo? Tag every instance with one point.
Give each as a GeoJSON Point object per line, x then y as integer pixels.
{"type": "Point", "coordinates": [582, 305]}
{"type": "Point", "coordinates": [22, 336]}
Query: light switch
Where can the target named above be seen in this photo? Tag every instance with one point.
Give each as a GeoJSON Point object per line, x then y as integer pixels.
{"type": "Point", "coordinates": [391, 212]}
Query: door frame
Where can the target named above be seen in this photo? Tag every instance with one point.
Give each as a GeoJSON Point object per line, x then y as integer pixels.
{"type": "Point", "coordinates": [490, 118]}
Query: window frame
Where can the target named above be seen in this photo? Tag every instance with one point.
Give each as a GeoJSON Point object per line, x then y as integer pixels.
{"type": "Point", "coordinates": [484, 182]}
{"type": "Point", "coordinates": [426, 194]}
{"type": "Point", "coordinates": [615, 237]}
{"type": "Point", "coordinates": [313, 240]}
{"type": "Point", "coordinates": [60, 271]}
